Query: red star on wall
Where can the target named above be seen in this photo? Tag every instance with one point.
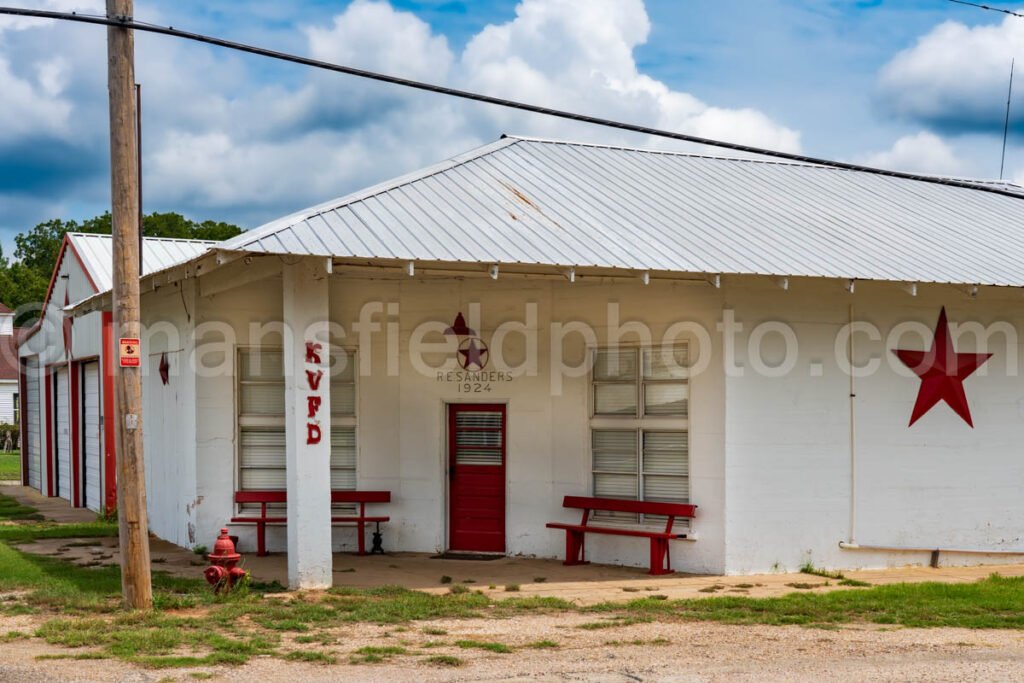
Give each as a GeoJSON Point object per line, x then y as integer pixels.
{"type": "Point", "coordinates": [942, 371]}
{"type": "Point", "coordinates": [473, 354]}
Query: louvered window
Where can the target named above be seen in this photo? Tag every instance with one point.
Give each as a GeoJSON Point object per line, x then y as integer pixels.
{"type": "Point", "coordinates": [639, 428]}
{"type": "Point", "coordinates": [261, 420]}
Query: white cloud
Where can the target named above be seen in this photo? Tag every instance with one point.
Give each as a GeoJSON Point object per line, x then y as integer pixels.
{"type": "Point", "coordinates": [218, 141]}
{"type": "Point", "coordinates": [32, 107]}
{"type": "Point", "coordinates": [955, 76]}
{"type": "Point", "coordinates": [922, 152]}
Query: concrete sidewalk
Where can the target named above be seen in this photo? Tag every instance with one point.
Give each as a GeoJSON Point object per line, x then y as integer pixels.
{"type": "Point", "coordinates": [584, 585]}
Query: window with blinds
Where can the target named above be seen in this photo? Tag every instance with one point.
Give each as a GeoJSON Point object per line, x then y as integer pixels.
{"type": "Point", "coordinates": [261, 419]}
{"type": "Point", "coordinates": [639, 429]}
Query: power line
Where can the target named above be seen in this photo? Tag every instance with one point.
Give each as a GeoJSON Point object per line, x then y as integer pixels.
{"type": "Point", "coordinates": [128, 22]}
{"type": "Point", "coordinates": [989, 8]}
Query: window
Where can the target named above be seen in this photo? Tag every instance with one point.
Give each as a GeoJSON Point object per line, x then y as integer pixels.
{"type": "Point", "coordinates": [17, 410]}
{"type": "Point", "coordinates": [640, 425]}
{"type": "Point", "coordinates": [261, 419]}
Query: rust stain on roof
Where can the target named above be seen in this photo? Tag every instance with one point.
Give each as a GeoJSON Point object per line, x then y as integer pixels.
{"type": "Point", "coordinates": [523, 199]}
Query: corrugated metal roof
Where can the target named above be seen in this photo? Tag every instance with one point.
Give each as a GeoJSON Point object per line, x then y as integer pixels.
{"type": "Point", "coordinates": [158, 253]}
{"type": "Point", "coordinates": [528, 201]}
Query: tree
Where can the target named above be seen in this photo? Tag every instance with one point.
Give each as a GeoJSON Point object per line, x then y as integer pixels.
{"type": "Point", "coordinates": [26, 279]}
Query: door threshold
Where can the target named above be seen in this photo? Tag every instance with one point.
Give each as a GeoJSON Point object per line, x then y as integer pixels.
{"type": "Point", "coordinates": [467, 555]}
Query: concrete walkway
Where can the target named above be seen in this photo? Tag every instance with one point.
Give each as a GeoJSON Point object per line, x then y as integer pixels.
{"type": "Point", "coordinates": [584, 585]}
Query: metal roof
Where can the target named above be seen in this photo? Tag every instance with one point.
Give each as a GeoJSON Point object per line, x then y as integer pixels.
{"type": "Point", "coordinates": [96, 253]}
{"type": "Point", "coordinates": [528, 201]}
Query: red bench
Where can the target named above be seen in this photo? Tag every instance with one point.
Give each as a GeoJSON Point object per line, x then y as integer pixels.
{"type": "Point", "coordinates": [264, 498]}
{"type": "Point", "coordinates": [575, 534]}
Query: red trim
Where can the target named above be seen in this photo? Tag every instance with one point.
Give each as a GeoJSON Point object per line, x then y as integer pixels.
{"type": "Point", "coordinates": [76, 455]}
{"type": "Point", "coordinates": [22, 427]}
{"type": "Point", "coordinates": [109, 457]}
{"type": "Point", "coordinates": [48, 375]}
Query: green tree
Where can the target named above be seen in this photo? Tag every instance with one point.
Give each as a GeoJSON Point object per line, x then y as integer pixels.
{"type": "Point", "coordinates": [26, 279]}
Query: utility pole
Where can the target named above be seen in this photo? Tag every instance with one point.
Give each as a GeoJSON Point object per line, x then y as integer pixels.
{"type": "Point", "coordinates": [133, 525]}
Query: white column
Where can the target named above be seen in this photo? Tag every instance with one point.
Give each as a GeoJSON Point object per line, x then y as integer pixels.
{"type": "Point", "coordinates": [308, 424]}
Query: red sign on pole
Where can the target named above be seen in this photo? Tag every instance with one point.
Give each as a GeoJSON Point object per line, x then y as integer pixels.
{"type": "Point", "coordinates": [129, 352]}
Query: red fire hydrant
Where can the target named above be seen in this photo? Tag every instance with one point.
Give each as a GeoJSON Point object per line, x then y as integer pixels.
{"type": "Point", "coordinates": [222, 573]}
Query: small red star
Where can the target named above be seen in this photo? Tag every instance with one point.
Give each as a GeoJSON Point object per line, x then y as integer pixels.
{"type": "Point", "coordinates": [474, 354]}
{"type": "Point", "coordinates": [942, 371]}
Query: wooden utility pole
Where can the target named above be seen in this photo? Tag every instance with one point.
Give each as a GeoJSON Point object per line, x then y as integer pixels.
{"type": "Point", "coordinates": [124, 175]}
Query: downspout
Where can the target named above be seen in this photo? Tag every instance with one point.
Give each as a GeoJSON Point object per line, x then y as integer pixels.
{"type": "Point", "coordinates": [851, 538]}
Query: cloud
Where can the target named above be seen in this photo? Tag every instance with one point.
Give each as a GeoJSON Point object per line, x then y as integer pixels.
{"type": "Point", "coordinates": [955, 77]}
{"type": "Point", "coordinates": [237, 137]}
{"type": "Point", "coordinates": [922, 152]}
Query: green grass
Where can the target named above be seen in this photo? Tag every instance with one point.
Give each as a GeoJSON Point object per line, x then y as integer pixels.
{"type": "Point", "coordinates": [11, 510]}
{"type": "Point", "coordinates": [10, 465]}
{"type": "Point", "coordinates": [543, 644]}
{"type": "Point", "coordinates": [25, 533]}
{"type": "Point", "coordinates": [995, 602]}
{"type": "Point", "coordinates": [88, 618]}
{"type": "Point", "coordinates": [312, 656]}
{"type": "Point", "coordinates": [500, 648]}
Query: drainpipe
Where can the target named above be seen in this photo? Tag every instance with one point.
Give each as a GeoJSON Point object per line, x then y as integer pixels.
{"type": "Point", "coordinates": [934, 551]}
{"type": "Point", "coordinates": [851, 538]}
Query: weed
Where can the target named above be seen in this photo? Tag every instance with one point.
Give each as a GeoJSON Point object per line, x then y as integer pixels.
{"type": "Point", "coordinates": [543, 644]}
{"type": "Point", "coordinates": [855, 583]}
{"type": "Point", "coordinates": [375, 655]}
{"type": "Point", "coordinates": [446, 579]}
{"type": "Point", "coordinates": [512, 588]}
{"type": "Point", "coordinates": [809, 568]}
{"type": "Point", "coordinates": [200, 550]}
{"type": "Point", "coordinates": [800, 585]}
{"type": "Point", "coordinates": [500, 648]}
{"type": "Point", "coordinates": [458, 589]}
{"type": "Point", "coordinates": [444, 660]}
{"type": "Point", "coordinates": [201, 675]}
{"type": "Point", "coordinates": [430, 631]}
{"type": "Point", "coordinates": [540, 579]}
{"type": "Point", "coordinates": [311, 656]}
{"type": "Point", "coordinates": [630, 589]}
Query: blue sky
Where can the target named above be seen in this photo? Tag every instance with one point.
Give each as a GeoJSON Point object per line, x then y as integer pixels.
{"type": "Point", "coordinates": [916, 85]}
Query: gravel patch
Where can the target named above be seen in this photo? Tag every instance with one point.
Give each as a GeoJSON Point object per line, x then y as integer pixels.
{"type": "Point", "coordinates": [663, 652]}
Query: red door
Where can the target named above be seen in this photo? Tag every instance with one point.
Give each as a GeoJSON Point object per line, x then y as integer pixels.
{"type": "Point", "coordinates": [476, 475]}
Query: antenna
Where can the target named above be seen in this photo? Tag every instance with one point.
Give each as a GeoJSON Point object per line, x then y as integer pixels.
{"type": "Point", "coordinates": [1006, 122]}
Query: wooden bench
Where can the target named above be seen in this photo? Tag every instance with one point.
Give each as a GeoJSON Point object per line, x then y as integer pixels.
{"type": "Point", "coordinates": [575, 534]}
{"type": "Point", "coordinates": [264, 498]}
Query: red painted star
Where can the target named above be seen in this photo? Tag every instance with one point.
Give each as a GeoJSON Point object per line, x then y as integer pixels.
{"type": "Point", "coordinates": [942, 371]}
{"type": "Point", "coordinates": [473, 353]}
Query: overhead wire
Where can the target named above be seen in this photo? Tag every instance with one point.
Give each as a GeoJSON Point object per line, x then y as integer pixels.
{"type": "Point", "coordinates": [988, 7]}
{"type": "Point", "coordinates": [130, 23]}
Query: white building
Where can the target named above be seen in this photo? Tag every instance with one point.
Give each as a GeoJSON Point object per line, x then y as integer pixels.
{"type": "Point", "coordinates": [9, 400]}
{"type": "Point", "coordinates": [715, 296]}
{"type": "Point", "coordinates": [67, 373]}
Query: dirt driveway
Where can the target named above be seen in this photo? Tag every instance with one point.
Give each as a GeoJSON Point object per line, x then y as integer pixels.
{"type": "Point", "coordinates": [555, 648]}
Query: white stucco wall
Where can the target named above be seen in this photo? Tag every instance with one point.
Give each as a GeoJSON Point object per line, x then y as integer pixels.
{"type": "Point", "coordinates": [401, 413]}
{"type": "Point", "coordinates": [937, 484]}
{"type": "Point", "coordinates": [169, 415]}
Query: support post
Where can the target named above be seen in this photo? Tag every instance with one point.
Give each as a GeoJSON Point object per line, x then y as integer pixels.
{"type": "Point", "coordinates": [131, 504]}
{"type": "Point", "coordinates": [308, 423]}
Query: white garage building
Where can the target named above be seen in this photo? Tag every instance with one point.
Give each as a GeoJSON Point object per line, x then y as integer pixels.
{"type": "Point", "coordinates": [66, 373]}
{"type": "Point", "coordinates": [603, 322]}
